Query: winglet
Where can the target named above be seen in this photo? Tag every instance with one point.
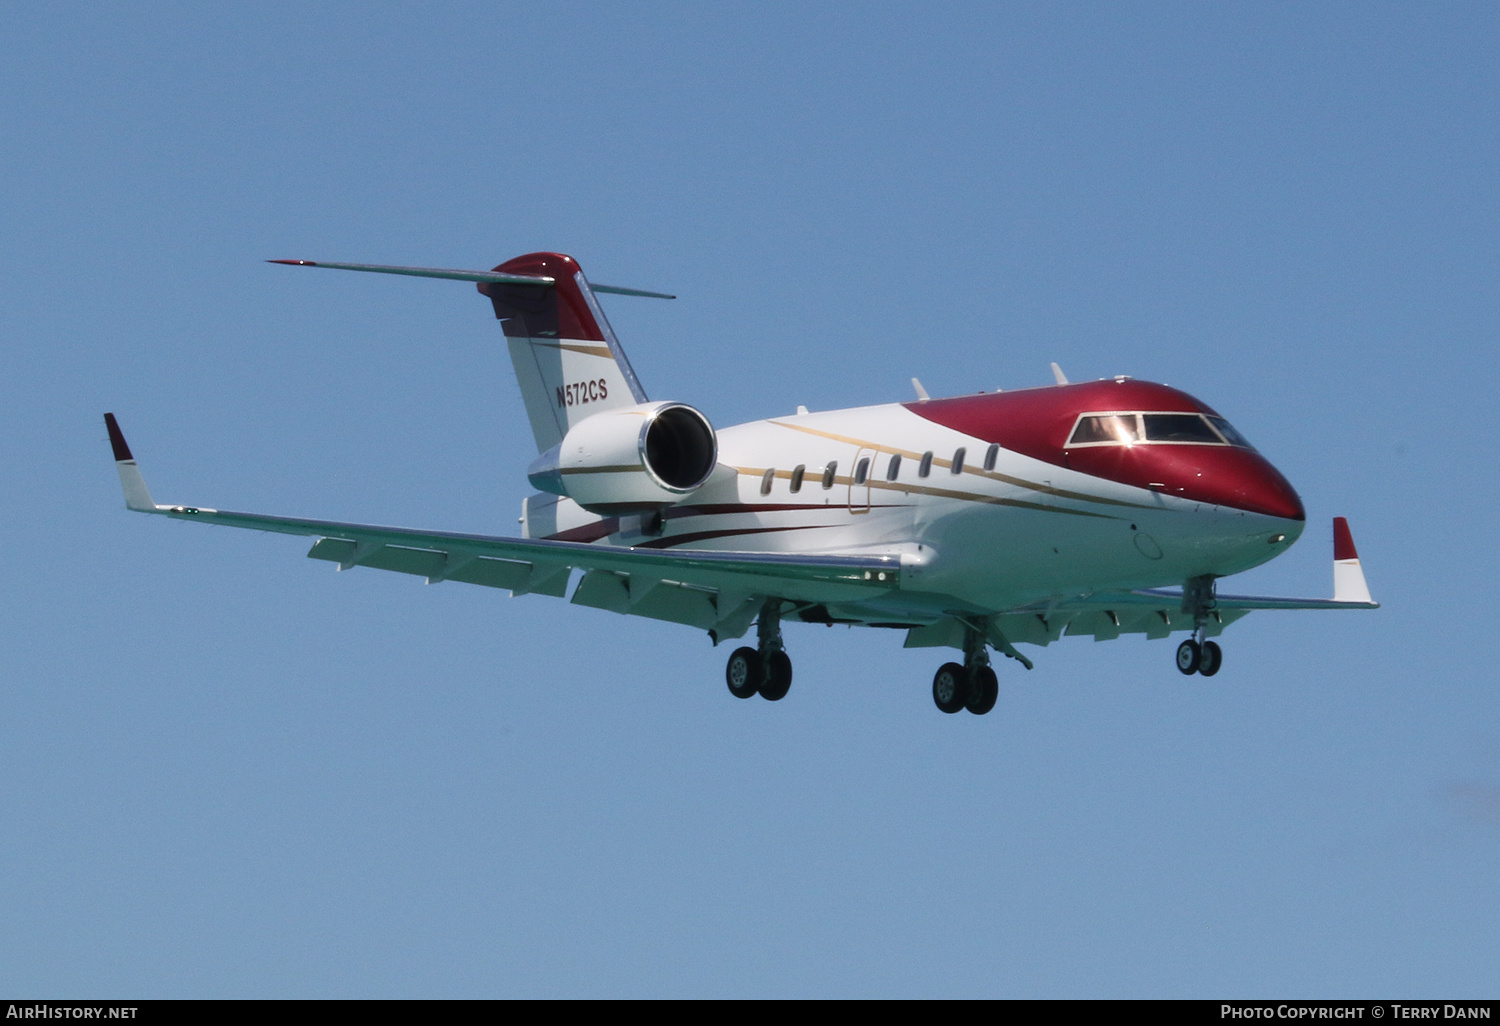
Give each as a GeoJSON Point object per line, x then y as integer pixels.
{"type": "Point", "coordinates": [922, 395]}
{"type": "Point", "coordinates": [1058, 375]}
{"type": "Point", "coordinates": [1348, 577]}
{"type": "Point", "coordinates": [137, 495]}
{"type": "Point", "coordinates": [117, 439]}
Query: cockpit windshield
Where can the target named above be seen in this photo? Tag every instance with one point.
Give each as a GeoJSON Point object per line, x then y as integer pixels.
{"type": "Point", "coordinates": [1169, 428]}
{"type": "Point", "coordinates": [1179, 427]}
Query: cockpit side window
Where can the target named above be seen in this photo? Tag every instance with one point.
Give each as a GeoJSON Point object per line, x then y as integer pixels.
{"type": "Point", "coordinates": [1231, 436]}
{"type": "Point", "coordinates": [1106, 429]}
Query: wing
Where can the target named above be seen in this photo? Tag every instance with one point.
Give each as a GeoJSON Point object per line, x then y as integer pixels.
{"type": "Point", "coordinates": [1154, 612]}
{"type": "Point", "coordinates": [720, 592]}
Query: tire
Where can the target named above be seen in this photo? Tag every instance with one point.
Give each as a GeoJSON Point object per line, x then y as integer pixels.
{"type": "Point", "coordinates": [778, 677]}
{"type": "Point", "coordinates": [743, 672]}
{"type": "Point", "coordinates": [950, 687]}
{"type": "Point", "coordinates": [984, 689]}
{"type": "Point", "coordinates": [1211, 660]}
{"type": "Point", "coordinates": [1188, 657]}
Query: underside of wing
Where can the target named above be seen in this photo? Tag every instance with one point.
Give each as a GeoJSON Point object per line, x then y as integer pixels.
{"type": "Point", "coordinates": [1102, 617]}
{"type": "Point", "coordinates": [1154, 612]}
{"type": "Point", "coordinates": [718, 591]}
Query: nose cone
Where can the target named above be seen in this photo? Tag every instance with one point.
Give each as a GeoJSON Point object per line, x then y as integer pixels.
{"type": "Point", "coordinates": [1219, 475]}
{"type": "Point", "coordinates": [1240, 479]}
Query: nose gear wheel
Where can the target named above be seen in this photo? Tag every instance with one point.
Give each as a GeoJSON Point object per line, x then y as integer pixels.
{"type": "Point", "coordinates": [1189, 655]}
{"type": "Point", "coordinates": [778, 677]}
{"type": "Point", "coordinates": [950, 687]}
{"type": "Point", "coordinates": [984, 690]}
{"type": "Point", "coordinates": [744, 672]}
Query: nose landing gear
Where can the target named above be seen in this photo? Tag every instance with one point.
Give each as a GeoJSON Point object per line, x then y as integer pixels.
{"type": "Point", "coordinates": [766, 670]}
{"type": "Point", "coordinates": [1212, 659]}
{"type": "Point", "coordinates": [1203, 657]}
{"type": "Point", "coordinates": [1197, 655]}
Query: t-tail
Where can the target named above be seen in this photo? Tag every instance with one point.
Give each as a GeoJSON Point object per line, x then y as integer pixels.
{"type": "Point", "coordinates": [568, 362]}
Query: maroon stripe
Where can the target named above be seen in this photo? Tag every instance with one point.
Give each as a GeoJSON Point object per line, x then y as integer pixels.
{"type": "Point", "coordinates": [588, 532]}
{"type": "Point", "coordinates": [725, 508]}
{"type": "Point", "coordinates": [683, 539]}
{"type": "Point", "coordinates": [610, 525]}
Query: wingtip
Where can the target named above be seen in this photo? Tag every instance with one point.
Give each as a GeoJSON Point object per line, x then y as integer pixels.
{"type": "Point", "coordinates": [1349, 583]}
{"type": "Point", "coordinates": [137, 495]}
{"type": "Point", "coordinates": [117, 439]}
{"type": "Point", "coordinates": [295, 263]}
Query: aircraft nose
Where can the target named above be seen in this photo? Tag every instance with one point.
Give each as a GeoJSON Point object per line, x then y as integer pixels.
{"type": "Point", "coordinates": [1247, 480]}
{"type": "Point", "coordinates": [1273, 494]}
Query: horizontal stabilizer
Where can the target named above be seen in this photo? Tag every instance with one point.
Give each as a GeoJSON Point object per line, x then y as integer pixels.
{"type": "Point", "coordinates": [494, 277]}
{"type": "Point", "coordinates": [618, 291]}
{"type": "Point", "coordinates": [427, 272]}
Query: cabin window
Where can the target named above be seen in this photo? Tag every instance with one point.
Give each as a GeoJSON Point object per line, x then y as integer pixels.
{"type": "Point", "coordinates": [893, 469]}
{"type": "Point", "coordinates": [1179, 427]}
{"type": "Point", "coordinates": [766, 480]}
{"type": "Point", "coordinates": [862, 471]}
{"type": "Point", "coordinates": [958, 460]}
{"type": "Point", "coordinates": [828, 473]}
{"type": "Point", "coordinates": [1106, 428]}
{"type": "Point", "coordinates": [925, 467]}
{"type": "Point", "coordinates": [798, 473]}
{"type": "Point", "coordinates": [991, 455]}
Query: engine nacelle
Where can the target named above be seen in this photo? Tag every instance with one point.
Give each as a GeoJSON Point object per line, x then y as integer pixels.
{"type": "Point", "coordinates": [630, 460]}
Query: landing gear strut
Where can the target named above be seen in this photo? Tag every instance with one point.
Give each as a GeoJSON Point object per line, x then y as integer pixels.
{"type": "Point", "coordinates": [767, 669]}
{"type": "Point", "coordinates": [1197, 655]}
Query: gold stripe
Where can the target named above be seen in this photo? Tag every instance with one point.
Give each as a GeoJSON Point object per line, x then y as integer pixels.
{"type": "Point", "coordinates": [1061, 493]}
{"type": "Point", "coordinates": [942, 493]}
{"type": "Point", "coordinates": [575, 347]}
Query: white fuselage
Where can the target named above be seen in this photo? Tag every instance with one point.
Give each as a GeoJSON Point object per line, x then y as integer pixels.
{"type": "Point", "coordinates": [1019, 532]}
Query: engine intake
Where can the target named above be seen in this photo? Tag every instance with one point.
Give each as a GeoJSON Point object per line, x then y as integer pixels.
{"type": "Point", "coordinates": [632, 459]}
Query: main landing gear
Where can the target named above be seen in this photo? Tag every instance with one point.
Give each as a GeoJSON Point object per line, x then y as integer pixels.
{"type": "Point", "coordinates": [766, 670]}
{"type": "Point", "coordinates": [1197, 655]}
{"type": "Point", "coordinates": [972, 686]}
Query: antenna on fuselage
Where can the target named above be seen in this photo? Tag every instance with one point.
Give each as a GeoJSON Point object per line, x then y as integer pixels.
{"type": "Point", "coordinates": [1058, 375]}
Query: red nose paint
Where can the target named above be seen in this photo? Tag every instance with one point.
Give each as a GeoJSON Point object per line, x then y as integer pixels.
{"type": "Point", "coordinates": [1036, 422]}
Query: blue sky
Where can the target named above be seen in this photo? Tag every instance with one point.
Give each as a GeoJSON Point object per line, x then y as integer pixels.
{"type": "Point", "coordinates": [226, 770]}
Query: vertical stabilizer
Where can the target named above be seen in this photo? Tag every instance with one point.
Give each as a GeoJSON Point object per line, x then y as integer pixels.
{"type": "Point", "coordinates": [568, 363]}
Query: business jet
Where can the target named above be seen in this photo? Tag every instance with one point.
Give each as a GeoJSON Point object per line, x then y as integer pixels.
{"type": "Point", "coordinates": [976, 523]}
